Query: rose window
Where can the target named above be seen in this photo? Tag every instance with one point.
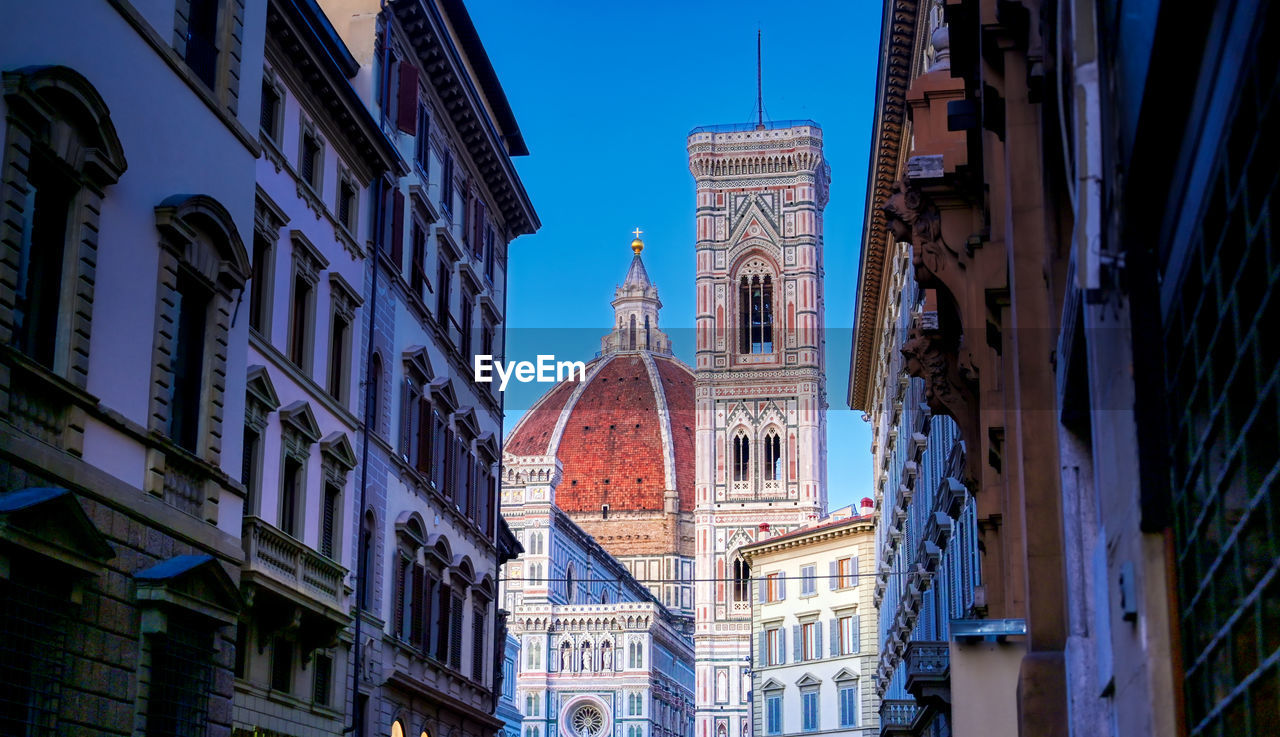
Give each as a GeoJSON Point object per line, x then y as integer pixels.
{"type": "Point", "coordinates": [587, 721]}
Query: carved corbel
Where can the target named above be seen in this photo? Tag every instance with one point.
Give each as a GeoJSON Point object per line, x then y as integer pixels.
{"type": "Point", "coordinates": [913, 217]}
{"type": "Point", "coordinates": [950, 384]}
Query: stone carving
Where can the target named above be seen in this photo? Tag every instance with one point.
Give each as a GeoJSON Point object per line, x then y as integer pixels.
{"type": "Point", "coordinates": [914, 218]}
{"type": "Point", "coordinates": [950, 382]}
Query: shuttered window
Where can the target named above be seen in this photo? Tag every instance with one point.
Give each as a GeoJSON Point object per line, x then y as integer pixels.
{"type": "Point", "coordinates": [455, 633]}
{"type": "Point", "coordinates": [328, 521]}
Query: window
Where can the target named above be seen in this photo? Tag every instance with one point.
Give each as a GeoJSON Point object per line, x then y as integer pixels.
{"type": "Point", "coordinates": [281, 665]}
{"type": "Point", "coordinates": [322, 680]}
{"type": "Point", "coordinates": [722, 685]}
{"type": "Point", "coordinates": [455, 633]}
{"type": "Point", "coordinates": [635, 654]}
{"type": "Point", "coordinates": [272, 107]}
{"type": "Point", "coordinates": [260, 286]}
{"type": "Point", "coordinates": [41, 264]}
{"type": "Point", "coordinates": [443, 270]}
{"type": "Point", "coordinates": [570, 586]}
{"type": "Point", "coordinates": [440, 612]}
{"type": "Point", "coordinates": [202, 40]}
{"type": "Point", "coordinates": [773, 714]}
{"type": "Point", "coordinates": [300, 321]}
{"type": "Point", "coordinates": [365, 594]}
{"type": "Point", "coordinates": [478, 637]}
{"type": "Point", "coordinates": [291, 492]}
{"type": "Point", "coordinates": [755, 298]}
{"type": "Point", "coordinates": [808, 582]}
{"type": "Point", "coordinates": [446, 186]}
{"type": "Point", "coordinates": [465, 312]}
{"type": "Point", "coordinates": [187, 362]}
{"type": "Point", "coordinates": [846, 572]}
{"type": "Point", "coordinates": [181, 678]}
{"type": "Point", "coordinates": [339, 348]}
{"type": "Point", "coordinates": [741, 580]}
{"type": "Point", "coordinates": [250, 462]}
{"type": "Point", "coordinates": [489, 255]}
{"type": "Point", "coordinates": [810, 641]}
{"type": "Point", "coordinates": [774, 644]}
{"type": "Point", "coordinates": [346, 208]}
{"type": "Point", "coordinates": [422, 142]}
{"type": "Point", "coordinates": [849, 704]}
{"type": "Point", "coordinates": [33, 626]}
{"type": "Point", "coordinates": [849, 635]}
{"type": "Point", "coordinates": [418, 259]}
{"type": "Point", "coordinates": [775, 587]}
{"type": "Point", "coordinates": [328, 521]}
{"type": "Point", "coordinates": [772, 456]}
{"type": "Point", "coordinates": [809, 708]}
{"type": "Point", "coordinates": [311, 159]}
{"type": "Point", "coordinates": [741, 457]}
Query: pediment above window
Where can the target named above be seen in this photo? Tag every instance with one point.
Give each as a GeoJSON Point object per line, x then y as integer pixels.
{"type": "Point", "coordinates": [196, 583]}
{"type": "Point", "coordinates": [299, 417]}
{"type": "Point", "coordinates": [807, 680]}
{"type": "Point", "coordinates": [337, 448]}
{"type": "Point", "coordinates": [50, 522]}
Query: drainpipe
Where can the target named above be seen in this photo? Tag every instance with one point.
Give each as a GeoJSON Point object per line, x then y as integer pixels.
{"type": "Point", "coordinates": [370, 389]}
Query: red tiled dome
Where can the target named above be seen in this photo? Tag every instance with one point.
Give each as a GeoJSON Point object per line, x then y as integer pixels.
{"type": "Point", "coordinates": [624, 436]}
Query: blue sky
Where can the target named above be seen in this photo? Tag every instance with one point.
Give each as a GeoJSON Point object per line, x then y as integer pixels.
{"type": "Point", "coordinates": [605, 94]}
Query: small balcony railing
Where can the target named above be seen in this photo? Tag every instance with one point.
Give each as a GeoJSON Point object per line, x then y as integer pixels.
{"type": "Point", "coordinates": [289, 562]}
{"type": "Point", "coordinates": [928, 668]}
{"type": "Point", "coordinates": [898, 716]}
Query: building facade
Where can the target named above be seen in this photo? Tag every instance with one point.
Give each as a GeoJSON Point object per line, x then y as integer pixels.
{"type": "Point", "coordinates": [1086, 210]}
{"type": "Point", "coordinates": [814, 628]}
{"type": "Point", "coordinates": [600, 656]}
{"type": "Point", "coordinates": [314, 222]}
{"type": "Point", "coordinates": [761, 386]}
{"type": "Point", "coordinates": [508, 710]}
{"type": "Point", "coordinates": [122, 361]}
{"type": "Point", "coordinates": [428, 632]}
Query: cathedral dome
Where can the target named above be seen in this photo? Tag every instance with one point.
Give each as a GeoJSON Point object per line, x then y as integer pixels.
{"type": "Point", "coordinates": [624, 436]}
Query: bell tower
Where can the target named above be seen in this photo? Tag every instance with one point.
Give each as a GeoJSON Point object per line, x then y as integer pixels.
{"type": "Point", "coordinates": [760, 379]}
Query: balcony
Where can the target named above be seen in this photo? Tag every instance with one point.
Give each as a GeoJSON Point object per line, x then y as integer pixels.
{"type": "Point", "coordinates": [929, 672]}
{"type": "Point", "coordinates": [289, 586]}
{"type": "Point", "coordinates": [898, 717]}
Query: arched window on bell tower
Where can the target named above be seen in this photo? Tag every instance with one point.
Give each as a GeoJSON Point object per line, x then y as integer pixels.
{"type": "Point", "coordinates": [755, 316]}
{"type": "Point", "coordinates": [631, 342]}
{"type": "Point", "coordinates": [772, 456]}
{"type": "Point", "coordinates": [741, 580]}
{"type": "Point", "coordinates": [741, 457]}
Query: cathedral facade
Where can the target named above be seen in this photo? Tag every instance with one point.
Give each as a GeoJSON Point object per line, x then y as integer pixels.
{"type": "Point", "coordinates": [760, 389]}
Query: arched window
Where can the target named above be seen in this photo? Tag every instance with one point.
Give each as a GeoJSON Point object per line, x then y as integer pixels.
{"type": "Point", "coordinates": [755, 305]}
{"type": "Point", "coordinates": [722, 685]}
{"type": "Point", "coordinates": [772, 456]}
{"type": "Point", "coordinates": [397, 729]}
{"type": "Point", "coordinates": [741, 457]}
{"type": "Point", "coordinates": [604, 597]}
{"type": "Point", "coordinates": [570, 586]}
{"type": "Point", "coordinates": [366, 561]}
{"type": "Point", "coordinates": [647, 346]}
{"type": "Point", "coordinates": [741, 580]}
{"type": "Point", "coordinates": [722, 730]}
{"type": "Point", "coordinates": [375, 393]}
{"type": "Point", "coordinates": [631, 340]}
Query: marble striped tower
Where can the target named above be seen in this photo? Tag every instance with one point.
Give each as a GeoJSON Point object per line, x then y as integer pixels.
{"type": "Point", "coordinates": [760, 379]}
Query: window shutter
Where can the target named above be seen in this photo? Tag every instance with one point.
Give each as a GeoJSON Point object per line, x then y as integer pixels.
{"type": "Point", "coordinates": [834, 631]}
{"type": "Point", "coordinates": [428, 611]}
{"type": "Point", "coordinates": [406, 399]}
{"type": "Point", "coordinates": [423, 432]}
{"type": "Point", "coordinates": [455, 633]}
{"type": "Point", "coordinates": [762, 587]}
{"type": "Point", "coordinates": [782, 587]}
{"type": "Point", "coordinates": [857, 632]}
{"type": "Point", "coordinates": [853, 571]}
{"type": "Point", "coordinates": [401, 569]}
{"type": "Point", "coordinates": [443, 596]}
{"type": "Point", "coordinates": [834, 580]}
{"type": "Point", "coordinates": [397, 230]}
{"type": "Point", "coordinates": [415, 606]}
{"type": "Point", "coordinates": [762, 650]}
{"type": "Point", "coordinates": [407, 113]}
{"type": "Point", "coordinates": [797, 646]}
{"type": "Point", "coordinates": [817, 640]}
{"type": "Point", "coordinates": [782, 646]}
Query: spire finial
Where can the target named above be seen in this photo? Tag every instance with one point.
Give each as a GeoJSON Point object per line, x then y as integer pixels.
{"type": "Point", "coordinates": [759, 86]}
{"type": "Point", "coordinates": [637, 245]}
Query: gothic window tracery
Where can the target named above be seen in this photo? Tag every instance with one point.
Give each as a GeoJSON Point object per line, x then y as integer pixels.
{"type": "Point", "coordinates": [772, 456]}
{"type": "Point", "coordinates": [741, 456]}
{"type": "Point", "coordinates": [755, 316]}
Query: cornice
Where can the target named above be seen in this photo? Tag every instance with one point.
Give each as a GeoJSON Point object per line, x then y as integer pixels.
{"type": "Point", "coordinates": [897, 46]}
